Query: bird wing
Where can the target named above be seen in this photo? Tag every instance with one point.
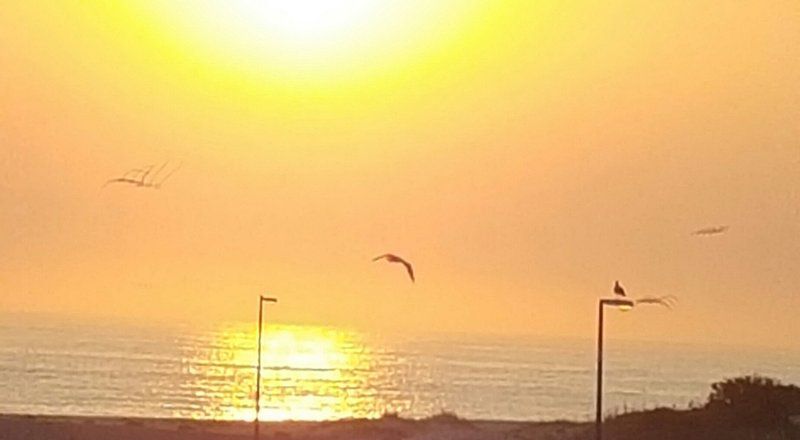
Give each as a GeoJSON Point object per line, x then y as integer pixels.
{"type": "Point", "coordinates": [143, 177]}
{"type": "Point", "coordinates": [134, 171]}
{"type": "Point", "coordinates": [409, 269]}
{"type": "Point", "coordinates": [381, 256]}
{"type": "Point", "coordinates": [110, 181]}
{"type": "Point", "coordinates": [159, 170]}
{"type": "Point", "coordinates": [666, 301]}
{"type": "Point", "coordinates": [121, 180]}
{"type": "Point", "coordinates": [158, 185]}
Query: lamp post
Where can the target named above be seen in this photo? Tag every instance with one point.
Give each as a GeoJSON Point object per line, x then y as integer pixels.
{"type": "Point", "coordinates": [611, 302]}
{"type": "Point", "coordinates": [261, 300]}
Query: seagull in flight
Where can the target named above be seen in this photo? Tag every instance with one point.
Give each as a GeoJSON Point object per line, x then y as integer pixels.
{"type": "Point", "coordinates": [138, 177]}
{"type": "Point", "coordinates": [666, 301]}
{"type": "Point", "coordinates": [713, 230]}
{"type": "Point", "coordinates": [135, 176]}
{"type": "Point", "coordinates": [395, 259]}
{"type": "Point", "coordinates": [618, 290]}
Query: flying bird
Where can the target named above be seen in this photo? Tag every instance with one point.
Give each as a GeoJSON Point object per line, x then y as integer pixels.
{"type": "Point", "coordinates": [395, 259]}
{"type": "Point", "coordinates": [139, 177]}
{"type": "Point", "coordinates": [666, 301]}
{"type": "Point", "coordinates": [618, 289]}
{"type": "Point", "coordinates": [713, 230]}
{"type": "Point", "coordinates": [134, 176]}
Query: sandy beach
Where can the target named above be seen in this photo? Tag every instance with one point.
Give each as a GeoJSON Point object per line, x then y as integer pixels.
{"type": "Point", "coordinates": [14, 427]}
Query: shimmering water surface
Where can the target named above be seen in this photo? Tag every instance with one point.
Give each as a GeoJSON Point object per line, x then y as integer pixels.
{"type": "Point", "coordinates": [315, 373]}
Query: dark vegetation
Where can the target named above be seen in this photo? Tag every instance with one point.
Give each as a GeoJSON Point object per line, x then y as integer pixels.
{"type": "Point", "coordinates": [743, 408]}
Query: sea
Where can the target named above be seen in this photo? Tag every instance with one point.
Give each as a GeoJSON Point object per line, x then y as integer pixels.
{"type": "Point", "coordinates": [325, 373]}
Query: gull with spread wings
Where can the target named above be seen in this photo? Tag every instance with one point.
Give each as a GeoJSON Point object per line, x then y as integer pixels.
{"type": "Point", "coordinates": [395, 259]}
{"type": "Point", "coordinates": [667, 301]}
{"type": "Point", "coordinates": [139, 177]}
{"type": "Point", "coordinates": [135, 176]}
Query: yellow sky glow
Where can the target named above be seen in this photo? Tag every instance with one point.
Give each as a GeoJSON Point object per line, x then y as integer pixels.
{"type": "Point", "coordinates": [523, 154]}
{"type": "Point", "coordinates": [310, 42]}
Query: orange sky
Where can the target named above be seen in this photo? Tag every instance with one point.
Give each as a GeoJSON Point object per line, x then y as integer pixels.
{"type": "Point", "coordinates": [522, 154]}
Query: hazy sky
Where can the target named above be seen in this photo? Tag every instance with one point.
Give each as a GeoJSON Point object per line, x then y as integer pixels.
{"type": "Point", "coordinates": [522, 154]}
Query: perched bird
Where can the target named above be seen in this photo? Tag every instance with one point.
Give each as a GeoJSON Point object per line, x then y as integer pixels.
{"type": "Point", "coordinates": [395, 259]}
{"type": "Point", "coordinates": [618, 289]}
{"type": "Point", "coordinates": [713, 230]}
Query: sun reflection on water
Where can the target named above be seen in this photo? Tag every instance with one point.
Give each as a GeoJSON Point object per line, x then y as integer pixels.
{"type": "Point", "coordinates": [309, 373]}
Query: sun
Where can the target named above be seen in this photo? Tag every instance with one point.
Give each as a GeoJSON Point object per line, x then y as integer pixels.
{"type": "Point", "coordinates": [314, 38]}
{"type": "Point", "coordinates": [307, 24]}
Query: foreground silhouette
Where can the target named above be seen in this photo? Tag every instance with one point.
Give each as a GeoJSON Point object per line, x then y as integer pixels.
{"type": "Point", "coordinates": [749, 407]}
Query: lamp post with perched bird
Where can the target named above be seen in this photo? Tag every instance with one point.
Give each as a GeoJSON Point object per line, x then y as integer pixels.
{"type": "Point", "coordinates": [612, 302]}
{"type": "Point", "coordinates": [621, 301]}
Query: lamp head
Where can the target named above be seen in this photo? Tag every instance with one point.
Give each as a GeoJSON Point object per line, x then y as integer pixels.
{"type": "Point", "coordinates": [620, 303]}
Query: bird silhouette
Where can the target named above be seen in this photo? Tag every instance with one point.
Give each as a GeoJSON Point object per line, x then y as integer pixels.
{"type": "Point", "coordinates": [395, 259]}
{"type": "Point", "coordinates": [139, 177]}
{"type": "Point", "coordinates": [666, 301]}
{"type": "Point", "coordinates": [123, 180]}
{"type": "Point", "coordinates": [618, 290]}
{"type": "Point", "coordinates": [713, 230]}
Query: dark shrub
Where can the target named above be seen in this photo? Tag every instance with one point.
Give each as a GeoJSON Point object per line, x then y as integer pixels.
{"type": "Point", "coordinates": [754, 401]}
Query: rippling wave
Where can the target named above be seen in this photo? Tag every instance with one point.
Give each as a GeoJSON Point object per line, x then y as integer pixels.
{"type": "Point", "coordinates": [319, 373]}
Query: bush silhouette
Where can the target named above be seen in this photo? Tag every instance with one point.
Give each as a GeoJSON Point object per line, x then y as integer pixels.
{"type": "Point", "coordinates": [754, 401]}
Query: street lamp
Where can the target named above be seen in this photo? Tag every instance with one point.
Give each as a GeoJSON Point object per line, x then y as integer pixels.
{"type": "Point", "coordinates": [261, 300]}
{"type": "Point", "coordinates": [625, 304]}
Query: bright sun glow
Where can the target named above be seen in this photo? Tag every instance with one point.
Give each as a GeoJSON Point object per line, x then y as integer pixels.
{"type": "Point", "coordinates": [307, 372]}
{"type": "Point", "coordinates": [302, 38]}
{"type": "Point", "coordinates": [307, 23]}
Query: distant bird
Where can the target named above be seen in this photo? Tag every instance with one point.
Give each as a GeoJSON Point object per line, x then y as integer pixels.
{"type": "Point", "coordinates": [618, 289]}
{"type": "Point", "coordinates": [139, 177]}
{"type": "Point", "coordinates": [666, 301]}
{"type": "Point", "coordinates": [134, 176]}
{"type": "Point", "coordinates": [123, 180]}
{"type": "Point", "coordinates": [713, 230]}
{"type": "Point", "coordinates": [395, 259]}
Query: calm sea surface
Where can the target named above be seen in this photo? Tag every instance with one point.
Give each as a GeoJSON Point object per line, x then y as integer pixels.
{"type": "Point", "coordinates": [315, 373]}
